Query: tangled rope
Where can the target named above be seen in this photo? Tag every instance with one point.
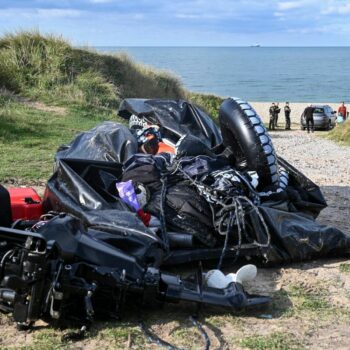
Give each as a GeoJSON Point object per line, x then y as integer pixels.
{"type": "Point", "coordinates": [229, 211]}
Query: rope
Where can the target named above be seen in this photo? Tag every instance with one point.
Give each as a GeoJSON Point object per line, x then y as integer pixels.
{"type": "Point", "coordinates": [262, 220]}
{"type": "Point", "coordinates": [224, 248]}
{"type": "Point", "coordinates": [237, 206]}
{"type": "Point", "coordinates": [162, 220]}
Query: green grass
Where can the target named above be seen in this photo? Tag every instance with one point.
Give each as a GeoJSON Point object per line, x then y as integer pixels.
{"type": "Point", "coordinates": [220, 321]}
{"type": "Point", "coordinates": [273, 341]}
{"type": "Point", "coordinates": [345, 268]}
{"type": "Point", "coordinates": [48, 339]}
{"type": "Point", "coordinates": [49, 68]}
{"type": "Point", "coordinates": [341, 133]}
{"type": "Point", "coordinates": [30, 137]}
{"type": "Point", "coordinates": [310, 300]}
{"type": "Point", "coordinates": [210, 103]}
{"type": "Point", "coordinates": [122, 336]}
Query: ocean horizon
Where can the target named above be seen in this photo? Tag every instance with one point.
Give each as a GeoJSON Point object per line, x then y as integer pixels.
{"type": "Point", "coordinates": [295, 74]}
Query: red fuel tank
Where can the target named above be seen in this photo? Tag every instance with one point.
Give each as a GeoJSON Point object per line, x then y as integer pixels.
{"type": "Point", "coordinates": [25, 203]}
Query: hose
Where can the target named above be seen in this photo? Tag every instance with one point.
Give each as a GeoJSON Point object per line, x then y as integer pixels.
{"type": "Point", "coordinates": [164, 344]}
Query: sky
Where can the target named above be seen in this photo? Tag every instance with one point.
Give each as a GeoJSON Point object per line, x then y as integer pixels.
{"type": "Point", "coordinates": [183, 22]}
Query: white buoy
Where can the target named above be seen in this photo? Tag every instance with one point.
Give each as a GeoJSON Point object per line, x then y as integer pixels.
{"type": "Point", "coordinates": [245, 274]}
{"type": "Point", "coordinates": [216, 278]}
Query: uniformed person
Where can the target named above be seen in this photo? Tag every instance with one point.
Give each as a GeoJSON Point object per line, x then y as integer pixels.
{"type": "Point", "coordinates": [277, 111]}
{"type": "Point", "coordinates": [272, 116]}
{"type": "Point", "coordinates": [287, 111]}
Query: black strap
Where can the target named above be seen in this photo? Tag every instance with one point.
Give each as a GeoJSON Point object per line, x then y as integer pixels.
{"type": "Point", "coordinates": [163, 229]}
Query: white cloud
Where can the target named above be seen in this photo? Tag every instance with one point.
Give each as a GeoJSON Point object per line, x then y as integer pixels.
{"type": "Point", "coordinates": [58, 13]}
{"type": "Point", "coordinates": [279, 14]}
{"type": "Point", "coordinates": [289, 5]}
{"type": "Point", "coordinates": [196, 16]}
{"type": "Point", "coordinates": [338, 9]}
{"type": "Point", "coordinates": [39, 13]}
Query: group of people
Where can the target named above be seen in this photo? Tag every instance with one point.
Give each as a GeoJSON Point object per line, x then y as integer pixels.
{"type": "Point", "coordinates": [275, 111]}
{"type": "Point", "coordinates": [308, 114]}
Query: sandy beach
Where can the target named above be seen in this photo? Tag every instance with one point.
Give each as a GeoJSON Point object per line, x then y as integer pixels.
{"type": "Point", "coordinates": [262, 108]}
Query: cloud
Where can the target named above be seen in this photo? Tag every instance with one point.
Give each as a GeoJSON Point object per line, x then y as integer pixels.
{"type": "Point", "coordinates": [229, 22]}
{"type": "Point", "coordinates": [289, 5]}
{"type": "Point", "coordinates": [58, 13]}
{"type": "Point", "coordinates": [279, 14]}
{"type": "Point", "coordinates": [39, 13]}
{"type": "Point", "coordinates": [342, 9]}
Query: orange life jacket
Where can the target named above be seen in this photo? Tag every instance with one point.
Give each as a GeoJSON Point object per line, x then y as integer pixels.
{"type": "Point", "coordinates": [163, 147]}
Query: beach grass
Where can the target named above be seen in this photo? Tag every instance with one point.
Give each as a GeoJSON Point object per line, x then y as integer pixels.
{"type": "Point", "coordinates": [50, 69]}
{"type": "Point", "coordinates": [341, 133]}
{"type": "Point", "coordinates": [50, 91]}
{"type": "Point", "coordinates": [210, 103]}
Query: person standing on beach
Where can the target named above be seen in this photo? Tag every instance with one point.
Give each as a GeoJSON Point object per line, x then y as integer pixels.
{"type": "Point", "coordinates": [309, 118]}
{"type": "Point", "coordinates": [272, 116]}
{"type": "Point", "coordinates": [342, 110]}
{"type": "Point", "coordinates": [287, 111]}
{"type": "Point", "coordinates": [277, 112]}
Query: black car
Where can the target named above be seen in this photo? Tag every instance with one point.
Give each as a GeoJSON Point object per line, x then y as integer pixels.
{"type": "Point", "coordinates": [324, 118]}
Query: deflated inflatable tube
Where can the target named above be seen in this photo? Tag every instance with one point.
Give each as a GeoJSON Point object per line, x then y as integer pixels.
{"type": "Point", "coordinates": [243, 130]}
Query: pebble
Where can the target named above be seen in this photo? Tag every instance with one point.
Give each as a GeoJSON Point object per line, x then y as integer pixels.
{"type": "Point", "coordinates": [323, 161]}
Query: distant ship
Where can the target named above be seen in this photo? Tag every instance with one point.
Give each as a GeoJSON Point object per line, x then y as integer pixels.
{"type": "Point", "coordinates": [255, 45]}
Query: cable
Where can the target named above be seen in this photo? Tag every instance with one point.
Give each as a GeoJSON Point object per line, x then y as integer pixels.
{"type": "Point", "coordinates": [75, 336]}
{"type": "Point", "coordinates": [155, 339]}
{"type": "Point", "coordinates": [164, 344]}
{"type": "Point", "coordinates": [3, 260]}
{"type": "Point", "coordinates": [202, 331]}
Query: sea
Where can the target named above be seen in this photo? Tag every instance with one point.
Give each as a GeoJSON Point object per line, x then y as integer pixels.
{"type": "Point", "coordinates": [295, 74]}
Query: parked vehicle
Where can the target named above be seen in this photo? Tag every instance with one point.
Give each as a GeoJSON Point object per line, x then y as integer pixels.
{"type": "Point", "coordinates": [324, 118]}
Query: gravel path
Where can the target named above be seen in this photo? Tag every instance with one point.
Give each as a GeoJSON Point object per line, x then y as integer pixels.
{"type": "Point", "coordinates": [325, 163]}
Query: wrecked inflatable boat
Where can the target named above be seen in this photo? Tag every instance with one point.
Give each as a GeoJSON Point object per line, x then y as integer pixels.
{"type": "Point", "coordinates": [118, 210]}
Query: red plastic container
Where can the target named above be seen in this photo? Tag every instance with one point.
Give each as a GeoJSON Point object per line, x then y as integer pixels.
{"type": "Point", "coordinates": [25, 203]}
